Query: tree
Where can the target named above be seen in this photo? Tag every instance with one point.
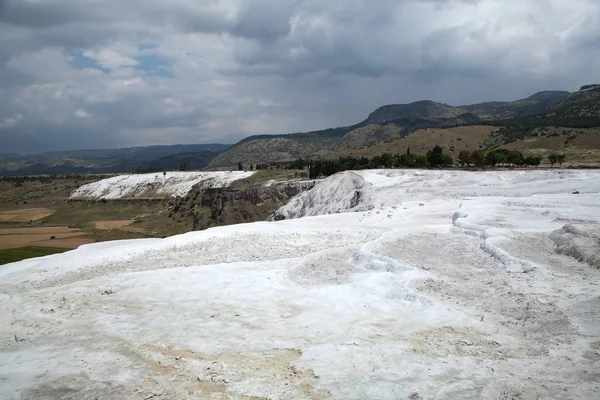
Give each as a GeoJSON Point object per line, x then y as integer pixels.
{"type": "Point", "coordinates": [478, 158]}
{"type": "Point", "coordinates": [386, 160]}
{"type": "Point", "coordinates": [553, 158]}
{"type": "Point", "coordinates": [491, 159]}
{"type": "Point", "coordinates": [515, 158]}
{"type": "Point", "coordinates": [464, 157]}
{"type": "Point", "coordinates": [251, 167]}
{"type": "Point", "coordinates": [435, 155]}
{"type": "Point", "coordinates": [182, 167]}
{"type": "Point", "coordinates": [533, 161]}
{"type": "Point", "coordinates": [446, 160]}
{"type": "Point", "coordinates": [408, 151]}
{"type": "Point", "coordinates": [561, 159]}
{"type": "Point", "coordinates": [240, 166]}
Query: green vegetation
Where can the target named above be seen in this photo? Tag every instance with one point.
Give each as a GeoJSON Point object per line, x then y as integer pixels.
{"type": "Point", "coordinates": [76, 213]}
{"type": "Point", "coordinates": [520, 128]}
{"type": "Point", "coordinates": [434, 158]}
{"type": "Point", "coordinates": [437, 158]}
{"type": "Point", "coordinates": [556, 158]}
{"type": "Point", "coordinates": [22, 253]}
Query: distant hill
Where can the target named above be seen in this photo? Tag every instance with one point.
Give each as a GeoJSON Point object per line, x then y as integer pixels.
{"type": "Point", "coordinates": [133, 154]}
{"type": "Point", "coordinates": [530, 122]}
{"type": "Point", "coordinates": [385, 123]}
{"type": "Point", "coordinates": [579, 110]}
{"type": "Point", "coordinates": [424, 110]}
{"type": "Point", "coordinates": [571, 126]}
{"type": "Point", "coordinates": [584, 103]}
{"type": "Point", "coordinates": [272, 149]}
{"type": "Point", "coordinates": [430, 110]}
{"type": "Point", "coordinates": [191, 161]}
{"type": "Point", "coordinates": [99, 160]}
{"type": "Point", "coordinates": [535, 104]}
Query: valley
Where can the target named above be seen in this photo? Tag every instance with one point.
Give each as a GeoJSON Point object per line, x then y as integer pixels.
{"type": "Point", "coordinates": [58, 213]}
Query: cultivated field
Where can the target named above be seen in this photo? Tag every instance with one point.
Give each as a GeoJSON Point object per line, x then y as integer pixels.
{"type": "Point", "coordinates": [24, 214]}
{"type": "Point", "coordinates": [22, 253]}
{"type": "Point", "coordinates": [58, 236]}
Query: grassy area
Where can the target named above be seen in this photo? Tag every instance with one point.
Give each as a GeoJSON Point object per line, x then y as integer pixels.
{"type": "Point", "coordinates": [22, 253]}
{"type": "Point", "coordinates": [82, 213]}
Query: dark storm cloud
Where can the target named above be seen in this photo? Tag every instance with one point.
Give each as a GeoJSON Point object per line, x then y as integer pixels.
{"type": "Point", "coordinates": [125, 72]}
{"type": "Point", "coordinates": [264, 20]}
{"type": "Point", "coordinates": [41, 14]}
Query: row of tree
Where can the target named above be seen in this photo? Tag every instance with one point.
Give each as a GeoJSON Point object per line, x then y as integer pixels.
{"type": "Point", "coordinates": [496, 158]}
{"type": "Point", "coordinates": [435, 158]}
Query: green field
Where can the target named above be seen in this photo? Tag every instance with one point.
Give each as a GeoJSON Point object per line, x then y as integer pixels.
{"type": "Point", "coordinates": [21, 253]}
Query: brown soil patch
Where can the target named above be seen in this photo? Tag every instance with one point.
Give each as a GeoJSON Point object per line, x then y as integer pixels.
{"type": "Point", "coordinates": [107, 225]}
{"type": "Point", "coordinates": [24, 214]}
{"type": "Point", "coordinates": [65, 237]}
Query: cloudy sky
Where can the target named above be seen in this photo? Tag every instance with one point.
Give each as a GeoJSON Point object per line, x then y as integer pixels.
{"type": "Point", "coordinates": [114, 73]}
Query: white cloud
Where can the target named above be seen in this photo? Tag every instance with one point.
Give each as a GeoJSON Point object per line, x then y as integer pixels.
{"type": "Point", "coordinates": [11, 121]}
{"type": "Point", "coordinates": [81, 113]}
{"type": "Point", "coordinates": [110, 59]}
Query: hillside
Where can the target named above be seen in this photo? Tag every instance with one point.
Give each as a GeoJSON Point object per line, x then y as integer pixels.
{"type": "Point", "coordinates": [387, 123]}
{"type": "Point", "coordinates": [272, 149]}
{"type": "Point", "coordinates": [98, 160]}
{"type": "Point", "coordinates": [419, 110]}
{"type": "Point", "coordinates": [535, 104]}
{"type": "Point", "coordinates": [579, 110]}
{"type": "Point", "coordinates": [173, 162]}
{"type": "Point", "coordinates": [584, 103]}
{"type": "Point", "coordinates": [453, 140]}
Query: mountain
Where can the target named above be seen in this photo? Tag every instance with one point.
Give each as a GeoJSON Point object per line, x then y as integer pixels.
{"type": "Point", "coordinates": [426, 110]}
{"type": "Point", "coordinates": [191, 161]}
{"type": "Point", "coordinates": [102, 160]}
{"type": "Point", "coordinates": [535, 104]}
{"type": "Point", "coordinates": [386, 123]}
{"type": "Point", "coordinates": [7, 156]}
{"type": "Point", "coordinates": [272, 149]}
{"type": "Point", "coordinates": [131, 154]}
{"type": "Point", "coordinates": [430, 110]}
{"type": "Point", "coordinates": [584, 103]}
{"type": "Point", "coordinates": [550, 118]}
{"type": "Point", "coordinates": [571, 126]}
{"type": "Point", "coordinates": [579, 110]}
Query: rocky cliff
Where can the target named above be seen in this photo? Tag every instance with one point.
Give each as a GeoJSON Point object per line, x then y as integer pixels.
{"type": "Point", "coordinates": [233, 205]}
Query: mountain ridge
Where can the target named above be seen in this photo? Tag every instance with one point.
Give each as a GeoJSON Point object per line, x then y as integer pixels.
{"type": "Point", "coordinates": [406, 118]}
{"type": "Point", "coordinates": [515, 120]}
{"type": "Point", "coordinates": [99, 160]}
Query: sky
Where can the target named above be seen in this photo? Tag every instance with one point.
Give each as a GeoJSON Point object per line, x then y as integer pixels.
{"type": "Point", "coordinates": [116, 73]}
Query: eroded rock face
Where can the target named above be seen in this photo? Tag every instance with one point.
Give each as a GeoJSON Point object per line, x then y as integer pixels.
{"type": "Point", "coordinates": [225, 206]}
{"type": "Point", "coordinates": [580, 241]}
